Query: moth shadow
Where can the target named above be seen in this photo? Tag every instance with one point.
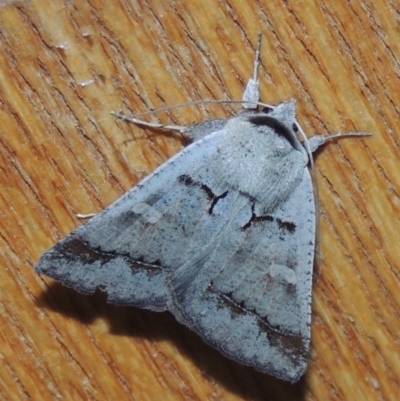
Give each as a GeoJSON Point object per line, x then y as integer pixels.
{"type": "Point", "coordinates": [133, 322]}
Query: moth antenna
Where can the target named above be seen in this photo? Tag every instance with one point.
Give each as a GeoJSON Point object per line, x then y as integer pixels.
{"type": "Point", "coordinates": [188, 104]}
{"type": "Point", "coordinates": [250, 99]}
{"type": "Point", "coordinates": [309, 150]}
{"type": "Point", "coordinates": [180, 128]}
{"type": "Point", "coordinates": [311, 145]}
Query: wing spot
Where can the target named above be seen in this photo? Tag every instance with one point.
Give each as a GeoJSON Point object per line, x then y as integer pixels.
{"type": "Point", "coordinates": [286, 225]}
{"type": "Point", "coordinates": [190, 182]}
{"type": "Point", "coordinates": [283, 225]}
{"type": "Point", "coordinates": [208, 191]}
{"type": "Point", "coordinates": [186, 180]}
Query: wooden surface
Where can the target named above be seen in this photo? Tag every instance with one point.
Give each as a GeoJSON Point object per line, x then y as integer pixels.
{"type": "Point", "coordinates": [65, 65]}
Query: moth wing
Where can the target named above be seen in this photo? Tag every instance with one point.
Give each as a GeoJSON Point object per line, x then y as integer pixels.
{"type": "Point", "coordinates": [190, 241]}
{"type": "Point", "coordinates": [130, 249]}
{"type": "Point", "coordinates": [249, 294]}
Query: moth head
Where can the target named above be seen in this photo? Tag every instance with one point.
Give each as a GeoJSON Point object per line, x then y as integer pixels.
{"type": "Point", "coordinates": [285, 112]}
{"type": "Point", "coordinates": [282, 119]}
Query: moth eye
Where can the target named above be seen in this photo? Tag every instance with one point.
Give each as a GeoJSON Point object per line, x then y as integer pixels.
{"type": "Point", "coordinates": [267, 110]}
{"type": "Point", "coordinates": [295, 127]}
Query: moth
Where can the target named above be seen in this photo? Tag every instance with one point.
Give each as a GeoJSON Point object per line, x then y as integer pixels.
{"type": "Point", "coordinates": [222, 235]}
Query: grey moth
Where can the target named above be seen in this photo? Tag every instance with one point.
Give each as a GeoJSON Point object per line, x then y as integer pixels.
{"type": "Point", "coordinates": [222, 235]}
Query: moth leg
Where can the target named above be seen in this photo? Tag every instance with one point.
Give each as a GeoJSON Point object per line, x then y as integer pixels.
{"type": "Point", "coordinates": [85, 215]}
{"type": "Point", "coordinates": [179, 128]}
{"type": "Point", "coordinates": [251, 94]}
{"type": "Point", "coordinates": [193, 132]}
{"type": "Point", "coordinates": [318, 140]}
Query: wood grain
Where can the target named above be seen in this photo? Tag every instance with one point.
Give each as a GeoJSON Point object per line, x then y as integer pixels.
{"type": "Point", "coordinates": [65, 65]}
